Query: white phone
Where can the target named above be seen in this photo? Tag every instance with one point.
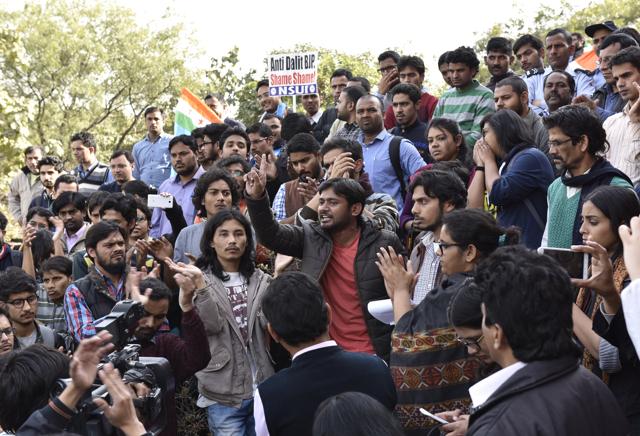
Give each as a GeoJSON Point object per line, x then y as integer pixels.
{"type": "Point", "coordinates": [161, 201]}
{"type": "Point", "coordinates": [574, 262]}
{"type": "Point", "coordinates": [434, 417]}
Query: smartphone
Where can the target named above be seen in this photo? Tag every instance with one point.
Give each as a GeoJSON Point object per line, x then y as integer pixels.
{"type": "Point", "coordinates": [574, 262]}
{"type": "Point", "coordinates": [161, 201]}
{"type": "Point", "coordinates": [434, 417]}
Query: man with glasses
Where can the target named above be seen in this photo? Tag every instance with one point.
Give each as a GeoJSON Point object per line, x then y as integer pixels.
{"type": "Point", "coordinates": [209, 147]}
{"type": "Point", "coordinates": [6, 333]}
{"type": "Point", "coordinates": [262, 143]}
{"type": "Point", "coordinates": [18, 298]}
{"type": "Point", "coordinates": [577, 142]}
{"type": "Point", "coordinates": [388, 69]}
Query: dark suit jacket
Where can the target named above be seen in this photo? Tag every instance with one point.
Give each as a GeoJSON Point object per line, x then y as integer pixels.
{"type": "Point", "coordinates": [291, 396]}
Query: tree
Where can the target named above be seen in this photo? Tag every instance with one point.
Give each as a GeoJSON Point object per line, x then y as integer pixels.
{"type": "Point", "coordinates": [89, 67]}
{"type": "Point", "coordinates": [562, 15]}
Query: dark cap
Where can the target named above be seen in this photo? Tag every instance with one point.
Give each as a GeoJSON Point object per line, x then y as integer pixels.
{"type": "Point", "coordinates": [608, 25]}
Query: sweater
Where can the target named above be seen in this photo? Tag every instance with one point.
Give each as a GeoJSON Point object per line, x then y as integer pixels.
{"type": "Point", "coordinates": [521, 190]}
{"type": "Point", "coordinates": [467, 107]}
{"type": "Point", "coordinates": [563, 219]}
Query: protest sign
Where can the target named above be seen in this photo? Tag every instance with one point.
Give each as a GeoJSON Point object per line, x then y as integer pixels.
{"type": "Point", "coordinates": [293, 74]}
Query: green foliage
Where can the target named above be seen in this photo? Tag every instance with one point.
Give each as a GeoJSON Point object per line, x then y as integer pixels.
{"type": "Point", "coordinates": [90, 67]}
{"type": "Point", "coordinates": [225, 77]}
{"type": "Point", "coordinates": [562, 14]}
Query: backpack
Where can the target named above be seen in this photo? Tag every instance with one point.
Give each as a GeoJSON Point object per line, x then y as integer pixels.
{"type": "Point", "coordinates": [394, 155]}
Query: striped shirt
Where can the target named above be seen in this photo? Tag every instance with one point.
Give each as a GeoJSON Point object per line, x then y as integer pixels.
{"type": "Point", "coordinates": [49, 313]}
{"type": "Point", "coordinates": [624, 144]}
{"type": "Point", "coordinates": [467, 107]}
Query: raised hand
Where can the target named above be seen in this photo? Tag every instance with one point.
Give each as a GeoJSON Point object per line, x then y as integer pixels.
{"type": "Point", "coordinates": [601, 279]}
{"type": "Point", "coordinates": [84, 364]}
{"type": "Point", "coordinates": [190, 278]}
{"type": "Point", "coordinates": [634, 110]}
{"type": "Point", "coordinates": [397, 278]}
{"type": "Point", "coordinates": [121, 413]}
{"type": "Point", "coordinates": [268, 161]}
{"type": "Point", "coordinates": [630, 236]}
{"type": "Point", "coordinates": [256, 180]}
{"type": "Point", "coordinates": [308, 189]}
{"type": "Point", "coordinates": [28, 235]}
{"type": "Point", "coordinates": [342, 166]}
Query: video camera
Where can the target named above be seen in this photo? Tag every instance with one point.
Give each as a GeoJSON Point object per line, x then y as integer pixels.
{"type": "Point", "coordinates": [155, 372]}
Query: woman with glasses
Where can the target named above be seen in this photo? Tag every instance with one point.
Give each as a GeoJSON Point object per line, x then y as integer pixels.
{"type": "Point", "coordinates": [429, 365]}
{"type": "Point", "coordinates": [514, 174]}
{"type": "Point", "coordinates": [603, 211]}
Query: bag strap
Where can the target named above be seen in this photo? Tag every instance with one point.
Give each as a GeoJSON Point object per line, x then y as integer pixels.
{"type": "Point", "coordinates": [394, 155]}
{"type": "Point", "coordinates": [534, 212]}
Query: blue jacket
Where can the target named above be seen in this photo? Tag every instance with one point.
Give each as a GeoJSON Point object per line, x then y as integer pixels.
{"type": "Point", "coordinates": [525, 177]}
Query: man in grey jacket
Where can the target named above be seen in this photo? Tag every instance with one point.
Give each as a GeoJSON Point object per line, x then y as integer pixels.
{"type": "Point", "coordinates": [339, 251]}
{"type": "Point", "coordinates": [25, 185]}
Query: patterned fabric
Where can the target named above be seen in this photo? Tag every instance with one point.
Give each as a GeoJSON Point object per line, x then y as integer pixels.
{"type": "Point", "coordinates": [589, 302]}
{"type": "Point", "coordinates": [429, 270]}
{"type": "Point", "coordinates": [467, 107]}
{"type": "Point", "coordinates": [349, 131]}
{"type": "Point", "coordinates": [278, 206]}
{"type": "Point", "coordinates": [49, 313]}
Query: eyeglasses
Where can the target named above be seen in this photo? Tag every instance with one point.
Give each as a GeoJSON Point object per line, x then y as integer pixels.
{"type": "Point", "coordinates": [258, 141]}
{"type": "Point", "coordinates": [439, 247]}
{"type": "Point", "coordinates": [385, 70]}
{"type": "Point", "coordinates": [558, 143]}
{"type": "Point", "coordinates": [472, 343]}
{"type": "Point", "coordinates": [38, 226]}
{"type": "Point", "coordinates": [8, 331]}
{"type": "Point", "coordinates": [19, 302]}
{"type": "Point", "coordinates": [237, 173]}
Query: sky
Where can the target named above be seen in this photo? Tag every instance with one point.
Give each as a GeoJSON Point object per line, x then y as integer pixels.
{"type": "Point", "coordinates": [219, 25]}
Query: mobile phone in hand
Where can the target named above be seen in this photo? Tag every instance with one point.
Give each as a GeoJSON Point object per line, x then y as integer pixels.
{"type": "Point", "coordinates": [434, 417]}
{"type": "Point", "coordinates": [574, 262]}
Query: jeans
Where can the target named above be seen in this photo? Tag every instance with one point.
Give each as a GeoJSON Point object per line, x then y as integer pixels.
{"type": "Point", "coordinates": [231, 421]}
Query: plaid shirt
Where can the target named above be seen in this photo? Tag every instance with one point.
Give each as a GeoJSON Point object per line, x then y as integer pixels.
{"type": "Point", "coordinates": [278, 206]}
{"type": "Point", "coordinates": [80, 322]}
{"type": "Point", "coordinates": [49, 313]}
{"type": "Point", "coordinates": [349, 131]}
{"type": "Point", "coordinates": [429, 270]}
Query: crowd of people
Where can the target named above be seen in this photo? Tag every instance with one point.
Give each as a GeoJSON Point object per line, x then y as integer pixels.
{"type": "Point", "coordinates": [372, 267]}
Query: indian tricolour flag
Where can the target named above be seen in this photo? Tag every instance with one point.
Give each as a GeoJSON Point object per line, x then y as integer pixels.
{"type": "Point", "coordinates": [191, 112]}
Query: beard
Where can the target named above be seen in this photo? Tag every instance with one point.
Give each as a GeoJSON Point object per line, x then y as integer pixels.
{"type": "Point", "coordinates": [144, 334]}
{"type": "Point", "coordinates": [112, 267]}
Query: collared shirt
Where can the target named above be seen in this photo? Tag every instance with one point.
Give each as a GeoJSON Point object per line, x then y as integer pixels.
{"type": "Point", "coordinates": [481, 391]}
{"type": "Point", "coordinates": [50, 313]}
{"type": "Point", "coordinates": [80, 322]}
{"type": "Point", "coordinates": [316, 117]}
{"type": "Point", "coordinates": [631, 307]}
{"type": "Point", "coordinates": [378, 164]}
{"type": "Point", "coordinates": [152, 160]}
{"type": "Point", "coordinates": [281, 111]}
{"type": "Point", "coordinates": [182, 192]}
{"type": "Point", "coordinates": [535, 83]}
{"type": "Point", "coordinates": [72, 240]}
{"type": "Point", "coordinates": [258, 407]}
{"type": "Point", "coordinates": [609, 101]}
{"type": "Point", "coordinates": [624, 144]}
{"type": "Point", "coordinates": [427, 280]}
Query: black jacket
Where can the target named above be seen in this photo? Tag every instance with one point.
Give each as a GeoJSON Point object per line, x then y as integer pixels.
{"type": "Point", "coordinates": [314, 246]}
{"type": "Point", "coordinates": [550, 397]}
{"type": "Point", "coordinates": [323, 126]}
{"type": "Point", "coordinates": [291, 397]}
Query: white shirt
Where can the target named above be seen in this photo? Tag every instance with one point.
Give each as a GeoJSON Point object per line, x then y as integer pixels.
{"type": "Point", "coordinates": [258, 408]}
{"type": "Point", "coordinates": [624, 143]}
{"type": "Point", "coordinates": [631, 308]}
{"type": "Point", "coordinates": [481, 391]}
